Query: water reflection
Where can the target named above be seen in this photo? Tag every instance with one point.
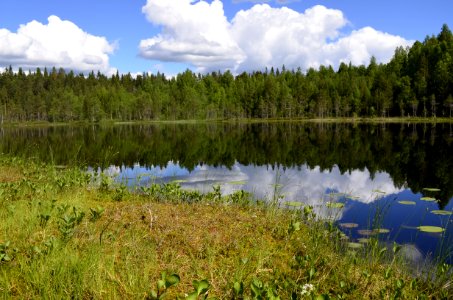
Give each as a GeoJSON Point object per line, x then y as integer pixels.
{"type": "Point", "coordinates": [303, 183]}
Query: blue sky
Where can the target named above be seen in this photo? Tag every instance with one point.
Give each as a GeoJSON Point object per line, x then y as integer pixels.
{"type": "Point", "coordinates": [171, 36]}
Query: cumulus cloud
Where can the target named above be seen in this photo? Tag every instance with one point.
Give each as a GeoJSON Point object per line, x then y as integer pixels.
{"type": "Point", "coordinates": [199, 33]}
{"type": "Point", "coordinates": [58, 43]}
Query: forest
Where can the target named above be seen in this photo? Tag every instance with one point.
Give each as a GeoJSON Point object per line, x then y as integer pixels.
{"type": "Point", "coordinates": [417, 82]}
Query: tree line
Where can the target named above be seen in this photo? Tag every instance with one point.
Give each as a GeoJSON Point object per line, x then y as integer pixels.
{"type": "Point", "coordinates": [417, 82]}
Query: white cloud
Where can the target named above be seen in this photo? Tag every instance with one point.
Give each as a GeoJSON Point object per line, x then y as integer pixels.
{"type": "Point", "coordinates": [198, 32]}
{"type": "Point", "coordinates": [59, 43]}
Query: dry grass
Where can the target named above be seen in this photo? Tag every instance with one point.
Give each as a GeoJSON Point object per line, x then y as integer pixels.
{"type": "Point", "coordinates": [9, 174]}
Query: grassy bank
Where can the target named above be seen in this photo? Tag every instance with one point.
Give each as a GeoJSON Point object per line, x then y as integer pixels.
{"type": "Point", "coordinates": [65, 235]}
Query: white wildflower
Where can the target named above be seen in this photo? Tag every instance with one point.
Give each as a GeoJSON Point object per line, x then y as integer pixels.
{"type": "Point", "coordinates": [307, 289]}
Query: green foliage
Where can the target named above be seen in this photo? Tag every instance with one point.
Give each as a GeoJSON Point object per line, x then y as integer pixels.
{"type": "Point", "coordinates": [96, 213]}
{"type": "Point", "coordinates": [417, 82]}
{"type": "Point", "coordinates": [5, 255]}
{"type": "Point", "coordinates": [261, 291]}
{"type": "Point", "coordinates": [162, 285]}
{"type": "Point", "coordinates": [68, 222]}
{"type": "Point", "coordinates": [201, 288]}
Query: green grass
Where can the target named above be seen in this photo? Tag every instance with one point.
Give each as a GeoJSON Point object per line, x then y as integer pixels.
{"type": "Point", "coordinates": [64, 235]}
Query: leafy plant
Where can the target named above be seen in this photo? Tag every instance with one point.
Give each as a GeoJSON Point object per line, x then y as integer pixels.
{"type": "Point", "coordinates": [293, 226]}
{"type": "Point", "coordinates": [238, 289]}
{"type": "Point", "coordinates": [263, 291]}
{"type": "Point", "coordinates": [201, 289]}
{"type": "Point", "coordinates": [240, 197]}
{"type": "Point", "coordinates": [5, 255]}
{"type": "Point", "coordinates": [96, 213]}
{"type": "Point", "coordinates": [162, 285]}
{"type": "Point", "coordinates": [69, 222]}
{"type": "Point", "coordinates": [120, 192]}
{"type": "Point", "coordinates": [105, 182]}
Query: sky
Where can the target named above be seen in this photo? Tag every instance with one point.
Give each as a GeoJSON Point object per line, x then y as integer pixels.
{"type": "Point", "coordinates": [171, 36]}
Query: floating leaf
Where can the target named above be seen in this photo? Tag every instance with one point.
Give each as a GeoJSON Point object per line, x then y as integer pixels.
{"type": "Point", "coordinates": [276, 185]}
{"type": "Point", "coordinates": [335, 204]}
{"type": "Point", "coordinates": [179, 181]}
{"type": "Point", "coordinates": [431, 189]}
{"type": "Point", "coordinates": [381, 230]}
{"type": "Point", "coordinates": [429, 199]}
{"type": "Point", "coordinates": [442, 212]}
{"type": "Point", "coordinates": [349, 225]}
{"type": "Point", "coordinates": [355, 245]}
{"type": "Point", "coordinates": [378, 191]}
{"type": "Point", "coordinates": [431, 229]}
{"type": "Point", "coordinates": [238, 182]}
{"type": "Point", "coordinates": [294, 203]}
{"type": "Point", "coordinates": [407, 202]}
{"type": "Point", "coordinates": [366, 232]}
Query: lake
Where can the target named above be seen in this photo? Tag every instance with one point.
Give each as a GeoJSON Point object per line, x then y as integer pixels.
{"type": "Point", "coordinates": [394, 176]}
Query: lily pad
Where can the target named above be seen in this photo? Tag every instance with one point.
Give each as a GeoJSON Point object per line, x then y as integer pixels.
{"type": "Point", "coordinates": [179, 181]}
{"type": "Point", "coordinates": [238, 182]}
{"type": "Point", "coordinates": [349, 225]}
{"type": "Point", "coordinates": [407, 202]}
{"type": "Point", "coordinates": [294, 203]}
{"type": "Point", "coordinates": [431, 189]}
{"type": "Point", "coordinates": [429, 199]}
{"type": "Point", "coordinates": [355, 245]}
{"type": "Point", "coordinates": [378, 191]}
{"type": "Point", "coordinates": [431, 229]}
{"type": "Point", "coordinates": [442, 212]}
{"type": "Point", "coordinates": [276, 185]}
{"type": "Point", "coordinates": [335, 204]}
{"type": "Point", "coordinates": [366, 232]}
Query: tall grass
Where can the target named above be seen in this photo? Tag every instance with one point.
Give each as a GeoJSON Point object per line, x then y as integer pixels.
{"type": "Point", "coordinates": [65, 234]}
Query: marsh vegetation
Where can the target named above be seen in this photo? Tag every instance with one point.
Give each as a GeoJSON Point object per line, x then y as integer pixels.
{"type": "Point", "coordinates": [67, 234]}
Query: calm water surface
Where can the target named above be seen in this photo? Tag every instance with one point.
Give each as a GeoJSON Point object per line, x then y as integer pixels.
{"type": "Point", "coordinates": [368, 167]}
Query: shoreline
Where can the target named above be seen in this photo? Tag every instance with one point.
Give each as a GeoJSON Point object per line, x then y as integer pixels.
{"type": "Point", "coordinates": [364, 120]}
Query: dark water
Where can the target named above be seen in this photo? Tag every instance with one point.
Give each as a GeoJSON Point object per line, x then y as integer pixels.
{"type": "Point", "coordinates": [370, 168]}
